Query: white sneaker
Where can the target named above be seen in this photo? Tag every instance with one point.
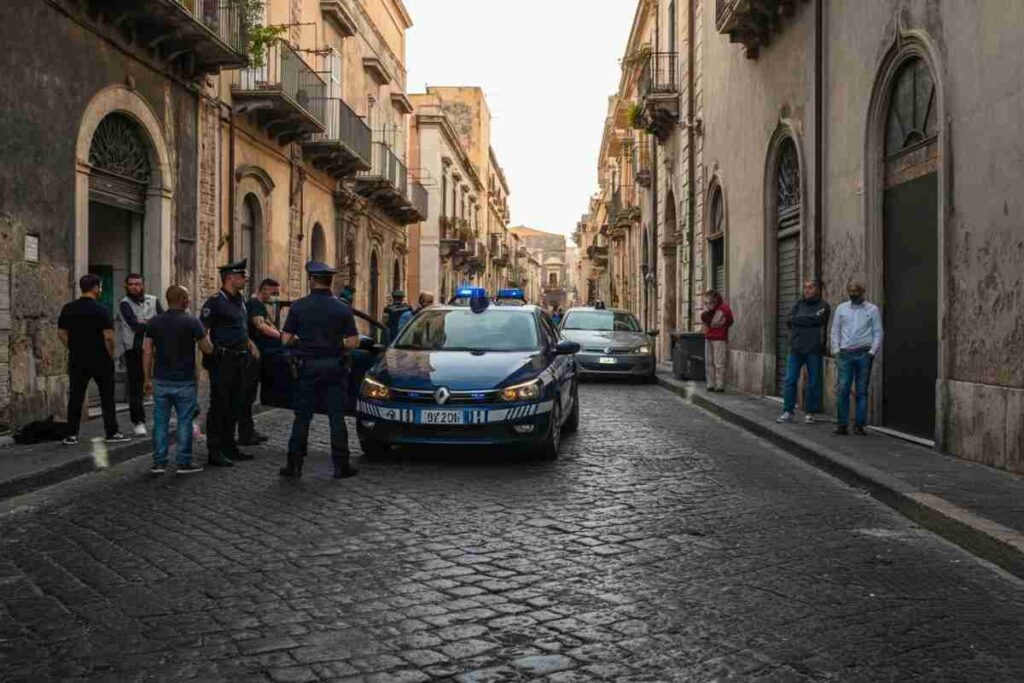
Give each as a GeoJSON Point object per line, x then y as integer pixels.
{"type": "Point", "coordinates": [809, 419]}
{"type": "Point", "coordinates": [785, 417]}
{"type": "Point", "coordinates": [140, 429]}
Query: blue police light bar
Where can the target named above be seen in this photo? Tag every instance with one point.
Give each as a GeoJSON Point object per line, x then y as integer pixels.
{"type": "Point", "coordinates": [510, 294]}
{"type": "Point", "coordinates": [470, 292]}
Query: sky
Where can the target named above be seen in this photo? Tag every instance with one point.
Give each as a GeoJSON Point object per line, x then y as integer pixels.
{"type": "Point", "coordinates": [547, 68]}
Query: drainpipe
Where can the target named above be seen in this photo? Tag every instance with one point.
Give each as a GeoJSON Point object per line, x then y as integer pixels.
{"type": "Point", "coordinates": [231, 177]}
{"type": "Point", "coordinates": [819, 135]}
{"type": "Point", "coordinates": [651, 231]}
{"type": "Point", "coordinates": [691, 158]}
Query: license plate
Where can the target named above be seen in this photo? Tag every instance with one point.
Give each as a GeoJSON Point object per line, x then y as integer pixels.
{"type": "Point", "coordinates": [607, 361]}
{"type": "Point", "coordinates": [441, 417]}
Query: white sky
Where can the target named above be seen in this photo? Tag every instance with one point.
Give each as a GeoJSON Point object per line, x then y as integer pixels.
{"type": "Point", "coordinates": [548, 68]}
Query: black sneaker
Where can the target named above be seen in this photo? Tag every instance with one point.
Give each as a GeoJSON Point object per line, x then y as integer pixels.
{"type": "Point", "coordinates": [70, 441]}
{"type": "Point", "coordinates": [217, 459]}
{"type": "Point", "coordinates": [239, 456]}
{"type": "Point", "coordinates": [840, 430]}
{"type": "Point", "coordinates": [118, 437]}
{"type": "Point", "coordinates": [158, 469]}
{"type": "Point", "coordinates": [190, 468]}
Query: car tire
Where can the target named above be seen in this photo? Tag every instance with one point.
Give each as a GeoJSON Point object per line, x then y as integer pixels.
{"type": "Point", "coordinates": [572, 423]}
{"type": "Point", "coordinates": [548, 449]}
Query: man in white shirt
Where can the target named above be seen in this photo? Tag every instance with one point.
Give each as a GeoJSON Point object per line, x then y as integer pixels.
{"type": "Point", "coordinates": [856, 339]}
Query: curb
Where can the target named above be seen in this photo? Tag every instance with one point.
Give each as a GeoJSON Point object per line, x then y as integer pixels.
{"type": "Point", "coordinates": [85, 464]}
{"type": "Point", "coordinates": [977, 535]}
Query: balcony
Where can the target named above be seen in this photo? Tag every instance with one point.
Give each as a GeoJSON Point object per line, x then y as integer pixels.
{"type": "Point", "coordinates": [341, 15]}
{"type": "Point", "coordinates": [499, 252]}
{"type": "Point", "coordinates": [598, 255]}
{"type": "Point", "coordinates": [386, 183]}
{"type": "Point", "coordinates": [202, 36]}
{"type": "Point", "coordinates": [286, 96]}
{"type": "Point", "coordinates": [752, 22]}
{"type": "Point", "coordinates": [344, 148]}
{"type": "Point", "coordinates": [659, 94]}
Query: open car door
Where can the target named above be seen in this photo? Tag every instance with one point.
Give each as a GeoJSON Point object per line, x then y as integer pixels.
{"type": "Point", "coordinates": [276, 380]}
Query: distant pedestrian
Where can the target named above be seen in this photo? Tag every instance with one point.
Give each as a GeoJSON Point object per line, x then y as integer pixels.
{"type": "Point", "coordinates": [856, 340]}
{"type": "Point", "coordinates": [717, 319]}
{"type": "Point", "coordinates": [135, 310]}
{"type": "Point", "coordinates": [425, 300]}
{"type": "Point", "coordinates": [266, 337]}
{"type": "Point", "coordinates": [807, 322]}
{"type": "Point", "coordinates": [556, 316]}
{"type": "Point", "coordinates": [87, 330]}
{"type": "Point", "coordinates": [169, 362]}
{"type": "Point", "coordinates": [348, 295]}
{"type": "Point", "coordinates": [393, 313]}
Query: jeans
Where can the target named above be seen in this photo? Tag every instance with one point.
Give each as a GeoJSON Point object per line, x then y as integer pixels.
{"type": "Point", "coordinates": [324, 376]}
{"type": "Point", "coordinates": [812, 392]}
{"type": "Point", "coordinates": [133, 364]}
{"type": "Point", "coordinates": [227, 397]}
{"type": "Point", "coordinates": [183, 397]}
{"type": "Point", "coordinates": [854, 371]}
{"type": "Point", "coordinates": [104, 378]}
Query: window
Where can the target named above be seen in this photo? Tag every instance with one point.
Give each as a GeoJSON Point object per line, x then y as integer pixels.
{"type": "Point", "coordinates": [553, 279]}
{"type": "Point", "coordinates": [318, 244]}
{"type": "Point", "coordinates": [396, 276]}
{"type": "Point", "coordinates": [716, 242]}
{"type": "Point", "coordinates": [245, 246]}
{"type": "Point", "coordinates": [912, 110]}
{"type": "Point", "coordinates": [601, 321]}
{"type": "Point", "coordinates": [444, 195]}
{"type": "Point", "coordinates": [496, 329]}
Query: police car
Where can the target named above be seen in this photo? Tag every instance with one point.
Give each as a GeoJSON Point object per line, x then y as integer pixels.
{"type": "Point", "coordinates": [510, 297]}
{"type": "Point", "coordinates": [479, 375]}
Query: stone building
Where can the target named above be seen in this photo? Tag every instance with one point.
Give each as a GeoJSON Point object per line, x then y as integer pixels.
{"type": "Point", "coordinates": [100, 119]}
{"type": "Point", "coordinates": [869, 140]}
{"type": "Point", "coordinates": [548, 250]}
{"type": "Point", "coordinates": [312, 151]}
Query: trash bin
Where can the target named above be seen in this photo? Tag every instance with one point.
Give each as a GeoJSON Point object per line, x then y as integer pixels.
{"type": "Point", "coordinates": [688, 355]}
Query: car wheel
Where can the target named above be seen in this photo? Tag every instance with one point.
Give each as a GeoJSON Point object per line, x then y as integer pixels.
{"type": "Point", "coordinates": [572, 423]}
{"type": "Point", "coordinates": [549, 447]}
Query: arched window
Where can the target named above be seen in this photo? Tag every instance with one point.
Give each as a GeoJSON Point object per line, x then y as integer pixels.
{"type": "Point", "coordinates": [912, 112]}
{"type": "Point", "coordinates": [249, 228]}
{"type": "Point", "coordinates": [374, 286]}
{"type": "Point", "coordinates": [552, 279]}
{"type": "Point", "coordinates": [716, 242]}
{"type": "Point", "coordinates": [318, 244]}
{"type": "Point", "coordinates": [396, 275]}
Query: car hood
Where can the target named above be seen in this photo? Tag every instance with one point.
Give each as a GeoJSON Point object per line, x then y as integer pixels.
{"type": "Point", "coordinates": [456, 370]}
{"type": "Point", "coordinates": [593, 339]}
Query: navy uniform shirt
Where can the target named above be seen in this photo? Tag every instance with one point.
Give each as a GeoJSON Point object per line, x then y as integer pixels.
{"type": "Point", "coordinates": [321, 322]}
{"type": "Point", "coordinates": [225, 317]}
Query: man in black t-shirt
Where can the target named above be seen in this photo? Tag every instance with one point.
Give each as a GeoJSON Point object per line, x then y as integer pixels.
{"type": "Point", "coordinates": [87, 330]}
{"type": "Point", "coordinates": [169, 363]}
{"type": "Point", "coordinates": [265, 336]}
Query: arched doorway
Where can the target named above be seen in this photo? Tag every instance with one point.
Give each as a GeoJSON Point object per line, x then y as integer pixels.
{"type": "Point", "coordinates": [374, 286]}
{"type": "Point", "coordinates": [910, 218]}
{"type": "Point", "coordinates": [318, 244]}
{"type": "Point", "coordinates": [788, 204]}
{"type": "Point", "coordinates": [716, 241]}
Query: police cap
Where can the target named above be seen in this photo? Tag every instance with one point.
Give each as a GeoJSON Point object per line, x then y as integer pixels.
{"type": "Point", "coordinates": [398, 294]}
{"type": "Point", "coordinates": [237, 268]}
{"type": "Point", "coordinates": [318, 269]}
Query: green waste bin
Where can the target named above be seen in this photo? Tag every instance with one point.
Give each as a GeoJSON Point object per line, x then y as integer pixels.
{"type": "Point", "coordinates": [688, 355]}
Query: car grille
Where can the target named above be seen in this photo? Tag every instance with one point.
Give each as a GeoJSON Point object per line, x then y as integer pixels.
{"type": "Point", "coordinates": [457, 397]}
{"type": "Point", "coordinates": [618, 367]}
{"type": "Point", "coordinates": [613, 352]}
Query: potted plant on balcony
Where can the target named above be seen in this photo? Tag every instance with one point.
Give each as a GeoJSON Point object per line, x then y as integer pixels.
{"type": "Point", "coordinates": [637, 120]}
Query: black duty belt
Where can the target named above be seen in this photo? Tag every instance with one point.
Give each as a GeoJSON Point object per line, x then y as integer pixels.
{"type": "Point", "coordinates": [232, 351]}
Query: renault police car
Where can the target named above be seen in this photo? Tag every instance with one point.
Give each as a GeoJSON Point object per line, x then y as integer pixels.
{"type": "Point", "coordinates": [477, 375]}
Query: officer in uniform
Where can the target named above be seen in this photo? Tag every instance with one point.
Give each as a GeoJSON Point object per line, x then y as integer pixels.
{"type": "Point", "coordinates": [393, 313]}
{"type": "Point", "coordinates": [224, 316]}
{"type": "Point", "coordinates": [321, 330]}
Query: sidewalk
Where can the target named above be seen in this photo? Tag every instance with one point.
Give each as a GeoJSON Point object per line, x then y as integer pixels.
{"type": "Point", "coordinates": [979, 508]}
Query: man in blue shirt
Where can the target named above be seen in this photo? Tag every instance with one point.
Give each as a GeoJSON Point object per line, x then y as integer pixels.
{"type": "Point", "coordinates": [224, 316]}
{"type": "Point", "coordinates": [321, 329]}
{"type": "Point", "coordinates": [856, 339]}
{"type": "Point", "coordinates": [169, 362]}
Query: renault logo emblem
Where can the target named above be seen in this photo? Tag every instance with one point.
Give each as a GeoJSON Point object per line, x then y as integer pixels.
{"type": "Point", "coordinates": [442, 395]}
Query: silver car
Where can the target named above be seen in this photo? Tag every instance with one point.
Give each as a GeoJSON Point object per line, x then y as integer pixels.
{"type": "Point", "coordinates": [612, 343]}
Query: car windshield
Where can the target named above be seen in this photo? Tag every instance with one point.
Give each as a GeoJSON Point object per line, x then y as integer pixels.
{"type": "Point", "coordinates": [462, 330]}
{"type": "Point", "coordinates": [601, 321]}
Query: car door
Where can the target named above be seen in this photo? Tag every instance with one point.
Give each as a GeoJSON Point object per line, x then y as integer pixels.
{"type": "Point", "coordinates": [563, 368]}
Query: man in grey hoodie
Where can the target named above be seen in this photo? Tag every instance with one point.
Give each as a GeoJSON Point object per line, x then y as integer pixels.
{"type": "Point", "coordinates": [808, 322]}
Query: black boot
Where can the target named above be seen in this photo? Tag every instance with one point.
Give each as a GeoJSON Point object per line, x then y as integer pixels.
{"type": "Point", "coordinates": [218, 459]}
{"type": "Point", "coordinates": [343, 468]}
{"type": "Point", "coordinates": [294, 467]}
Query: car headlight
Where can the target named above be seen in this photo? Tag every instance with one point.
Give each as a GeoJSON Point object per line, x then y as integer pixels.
{"type": "Point", "coordinates": [642, 349]}
{"type": "Point", "coordinates": [529, 391]}
{"type": "Point", "coordinates": [373, 389]}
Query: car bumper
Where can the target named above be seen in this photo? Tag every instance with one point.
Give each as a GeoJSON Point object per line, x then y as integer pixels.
{"type": "Point", "coordinates": [519, 424]}
{"type": "Point", "coordinates": [625, 365]}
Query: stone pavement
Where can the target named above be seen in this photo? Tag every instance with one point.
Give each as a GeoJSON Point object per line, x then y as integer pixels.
{"type": "Point", "coordinates": [978, 507]}
{"type": "Point", "coordinates": [664, 545]}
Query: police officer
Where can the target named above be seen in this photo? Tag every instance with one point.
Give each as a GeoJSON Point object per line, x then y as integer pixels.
{"type": "Point", "coordinates": [321, 329]}
{"type": "Point", "coordinates": [393, 313]}
{"type": "Point", "coordinates": [224, 315]}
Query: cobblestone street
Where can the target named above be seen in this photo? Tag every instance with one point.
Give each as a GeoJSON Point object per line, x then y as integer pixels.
{"type": "Point", "coordinates": [663, 545]}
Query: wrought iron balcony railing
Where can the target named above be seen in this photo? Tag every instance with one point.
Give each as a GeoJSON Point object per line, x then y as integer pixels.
{"type": "Point", "coordinates": [420, 199]}
{"type": "Point", "coordinates": [387, 183]}
{"type": "Point", "coordinates": [752, 22]}
{"type": "Point", "coordinates": [660, 74]}
{"type": "Point", "coordinates": [224, 19]}
{"type": "Point", "coordinates": [288, 89]}
{"type": "Point", "coordinates": [345, 145]}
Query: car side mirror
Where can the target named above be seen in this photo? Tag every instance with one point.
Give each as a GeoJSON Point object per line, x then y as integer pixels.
{"type": "Point", "coordinates": [652, 333]}
{"type": "Point", "coordinates": [566, 348]}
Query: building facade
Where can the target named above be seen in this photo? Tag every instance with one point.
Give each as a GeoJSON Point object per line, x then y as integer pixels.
{"type": "Point", "coordinates": [845, 141]}
{"type": "Point", "coordinates": [548, 278]}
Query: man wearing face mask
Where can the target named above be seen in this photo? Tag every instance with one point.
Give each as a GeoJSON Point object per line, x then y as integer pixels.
{"type": "Point", "coordinates": [266, 337]}
{"type": "Point", "coordinates": [856, 340]}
